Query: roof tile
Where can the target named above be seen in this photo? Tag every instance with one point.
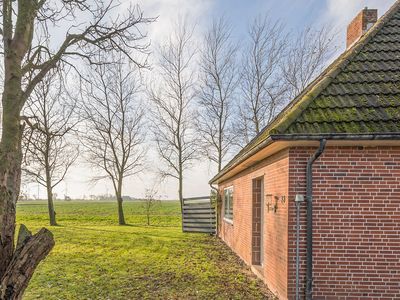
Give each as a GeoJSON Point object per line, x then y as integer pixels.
{"type": "Point", "coordinates": [365, 96]}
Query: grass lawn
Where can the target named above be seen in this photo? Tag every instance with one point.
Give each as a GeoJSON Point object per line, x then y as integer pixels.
{"type": "Point", "coordinates": [96, 259]}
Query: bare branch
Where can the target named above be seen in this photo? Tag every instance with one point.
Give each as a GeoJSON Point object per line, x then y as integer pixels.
{"type": "Point", "coordinates": [114, 120]}
{"type": "Point", "coordinates": [172, 112]}
{"type": "Point", "coordinates": [219, 78]}
{"type": "Point", "coordinates": [50, 117]}
{"type": "Point", "coordinates": [261, 82]}
{"type": "Point", "coordinates": [306, 57]}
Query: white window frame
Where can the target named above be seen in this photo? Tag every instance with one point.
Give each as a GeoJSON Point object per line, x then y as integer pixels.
{"type": "Point", "coordinates": [228, 219]}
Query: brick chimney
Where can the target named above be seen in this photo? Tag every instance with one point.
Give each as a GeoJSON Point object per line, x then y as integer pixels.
{"type": "Point", "coordinates": [360, 25]}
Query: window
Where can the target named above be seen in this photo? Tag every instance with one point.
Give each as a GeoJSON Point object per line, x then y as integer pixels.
{"type": "Point", "coordinates": [228, 204]}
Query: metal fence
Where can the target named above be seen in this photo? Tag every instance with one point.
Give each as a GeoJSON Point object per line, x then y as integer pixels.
{"type": "Point", "coordinates": [198, 215]}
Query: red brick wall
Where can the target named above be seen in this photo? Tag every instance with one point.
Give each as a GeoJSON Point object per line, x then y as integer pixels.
{"type": "Point", "coordinates": [239, 234]}
{"type": "Point", "coordinates": [356, 222]}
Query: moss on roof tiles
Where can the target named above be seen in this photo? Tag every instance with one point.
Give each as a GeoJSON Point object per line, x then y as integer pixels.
{"type": "Point", "coordinates": [376, 46]}
{"type": "Point", "coordinates": [366, 87]}
{"type": "Point", "coordinates": [359, 93]}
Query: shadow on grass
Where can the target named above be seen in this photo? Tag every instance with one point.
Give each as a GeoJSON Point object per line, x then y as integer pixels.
{"type": "Point", "coordinates": [169, 235]}
{"type": "Point", "coordinates": [147, 226]}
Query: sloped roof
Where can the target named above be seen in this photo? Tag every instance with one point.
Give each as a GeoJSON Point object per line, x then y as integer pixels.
{"type": "Point", "coordinates": [357, 95]}
{"type": "Point", "coordinates": [365, 96]}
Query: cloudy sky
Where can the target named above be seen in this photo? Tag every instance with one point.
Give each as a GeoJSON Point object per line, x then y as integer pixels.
{"type": "Point", "coordinates": [296, 15]}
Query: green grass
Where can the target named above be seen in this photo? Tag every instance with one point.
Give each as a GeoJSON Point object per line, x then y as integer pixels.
{"type": "Point", "coordinates": [96, 259]}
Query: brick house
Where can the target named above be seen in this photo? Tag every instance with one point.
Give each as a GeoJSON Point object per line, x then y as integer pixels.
{"type": "Point", "coordinates": [333, 153]}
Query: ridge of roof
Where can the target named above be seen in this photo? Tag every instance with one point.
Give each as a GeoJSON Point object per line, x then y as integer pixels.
{"type": "Point", "coordinates": [296, 107]}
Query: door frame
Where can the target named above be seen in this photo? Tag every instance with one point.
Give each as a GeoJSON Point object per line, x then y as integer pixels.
{"type": "Point", "coordinates": [257, 181]}
{"type": "Point", "coordinates": [262, 222]}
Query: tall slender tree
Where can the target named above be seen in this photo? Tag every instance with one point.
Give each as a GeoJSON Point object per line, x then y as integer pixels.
{"type": "Point", "coordinates": [173, 126]}
{"type": "Point", "coordinates": [26, 31]}
{"type": "Point", "coordinates": [114, 125]}
{"type": "Point", "coordinates": [219, 78]}
{"type": "Point", "coordinates": [49, 152]}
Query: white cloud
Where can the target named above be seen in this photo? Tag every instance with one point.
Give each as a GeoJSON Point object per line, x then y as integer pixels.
{"type": "Point", "coordinates": [168, 11]}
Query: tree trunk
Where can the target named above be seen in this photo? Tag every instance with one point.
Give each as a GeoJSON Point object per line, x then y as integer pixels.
{"type": "Point", "coordinates": [10, 163]}
{"type": "Point", "coordinates": [118, 192]}
{"type": "Point", "coordinates": [30, 251]}
{"type": "Point", "coordinates": [16, 268]}
{"type": "Point", "coordinates": [50, 204]}
{"type": "Point", "coordinates": [180, 192]}
{"type": "Point", "coordinates": [121, 217]}
{"type": "Point", "coordinates": [220, 158]}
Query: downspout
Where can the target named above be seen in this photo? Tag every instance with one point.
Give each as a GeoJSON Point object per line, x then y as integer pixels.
{"type": "Point", "coordinates": [309, 197]}
{"type": "Point", "coordinates": [298, 200]}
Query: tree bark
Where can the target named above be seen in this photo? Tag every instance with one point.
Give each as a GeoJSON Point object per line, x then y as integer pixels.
{"type": "Point", "coordinates": [50, 204]}
{"type": "Point", "coordinates": [10, 165]}
{"type": "Point", "coordinates": [30, 251]}
{"type": "Point", "coordinates": [180, 192]}
{"type": "Point", "coordinates": [16, 267]}
{"type": "Point", "coordinates": [121, 217]}
{"type": "Point", "coordinates": [118, 190]}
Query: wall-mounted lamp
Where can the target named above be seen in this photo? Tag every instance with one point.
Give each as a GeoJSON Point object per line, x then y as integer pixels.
{"type": "Point", "coordinates": [299, 198]}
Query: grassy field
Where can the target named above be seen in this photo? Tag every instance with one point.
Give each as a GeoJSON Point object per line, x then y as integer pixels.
{"type": "Point", "coordinates": [96, 259]}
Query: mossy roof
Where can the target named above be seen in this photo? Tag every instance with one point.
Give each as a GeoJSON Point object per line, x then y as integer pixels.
{"type": "Point", "coordinates": [359, 94]}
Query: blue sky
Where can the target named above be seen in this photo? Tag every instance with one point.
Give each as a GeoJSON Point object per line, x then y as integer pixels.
{"type": "Point", "coordinates": [295, 14]}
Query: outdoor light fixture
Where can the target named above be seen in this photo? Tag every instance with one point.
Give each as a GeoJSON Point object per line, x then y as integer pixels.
{"type": "Point", "coordinates": [299, 198]}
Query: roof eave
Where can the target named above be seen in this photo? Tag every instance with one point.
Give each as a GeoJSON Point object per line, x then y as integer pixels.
{"type": "Point", "coordinates": [338, 136]}
{"type": "Point", "coordinates": [241, 159]}
{"type": "Point", "coordinates": [378, 136]}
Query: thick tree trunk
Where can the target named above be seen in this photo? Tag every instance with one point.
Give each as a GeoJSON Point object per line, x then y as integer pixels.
{"type": "Point", "coordinates": [30, 251]}
{"type": "Point", "coordinates": [50, 204]}
{"type": "Point", "coordinates": [9, 188]}
{"type": "Point", "coordinates": [16, 267]}
{"type": "Point", "coordinates": [10, 163]}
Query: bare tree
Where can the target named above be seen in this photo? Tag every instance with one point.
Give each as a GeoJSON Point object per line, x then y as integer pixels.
{"type": "Point", "coordinates": [261, 83]}
{"type": "Point", "coordinates": [25, 28]}
{"type": "Point", "coordinates": [150, 202]}
{"type": "Point", "coordinates": [172, 112]}
{"type": "Point", "coordinates": [219, 78]}
{"type": "Point", "coordinates": [114, 116]}
{"type": "Point", "coordinates": [305, 58]}
{"type": "Point", "coordinates": [50, 114]}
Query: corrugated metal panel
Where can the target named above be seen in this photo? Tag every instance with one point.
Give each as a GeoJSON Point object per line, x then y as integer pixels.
{"type": "Point", "coordinates": [198, 215]}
